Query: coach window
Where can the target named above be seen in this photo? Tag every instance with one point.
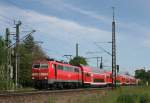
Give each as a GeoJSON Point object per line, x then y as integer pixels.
{"type": "Point", "coordinates": [66, 68]}
{"type": "Point", "coordinates": [59, 67]}
{"type": "Point", "coordinates": [76, 70]}
{"type": "Point", "coordinates": [111, 76]}
{"type": "Point", "coordinates": [87, 74]}
{"type": "Point", "coordinates": [98, 80]}
{"type": "Point", "coordinates": [70, 69]}
{"type": "Point", "coordinates": [107, 76]}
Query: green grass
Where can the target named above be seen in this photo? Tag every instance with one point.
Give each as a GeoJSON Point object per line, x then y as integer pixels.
{"type": "Point", "coordinates": [127, 95]}
{"type": "Point", "coordinates": [52, 99]}
{"type": "Point", "coordinates": [24, 89]}
{"type": "Point", "coordinates": [120, 95]}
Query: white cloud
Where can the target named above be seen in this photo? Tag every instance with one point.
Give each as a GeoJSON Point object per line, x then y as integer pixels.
{"type": "Point", "coordinates": [127, 27]}
{"type": "Point", "coordinates": [64, 27]}
{"type": "Point", "coordinates": [60, 35]}
{"type": "Point", "coordinates": [88, 13]}
{"type": "Point", "coordinates": [63, 6]}
{"type": "Point", "coordinates": [57, 33]}
{"type": "Point", "coordinates": [146, 43]}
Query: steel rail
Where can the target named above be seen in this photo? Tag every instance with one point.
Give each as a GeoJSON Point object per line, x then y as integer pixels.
{"type": "Point", "coordinates": [8, 94]}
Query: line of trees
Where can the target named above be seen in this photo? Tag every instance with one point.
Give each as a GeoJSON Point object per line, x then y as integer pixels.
{"type": "Point", "coordinates": [77, 61]}
{"type": "Point", "coordinates": [2, 64]}
{"type": "Point", "coordinates": [29, 51]}
{"type": "Point", "coordinates": [143, 75]}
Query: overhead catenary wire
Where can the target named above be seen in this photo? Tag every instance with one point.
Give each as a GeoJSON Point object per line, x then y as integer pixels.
{"type": "Point", "coordinates": [6, 20]}
{"type": "Point", "coordinates": [102, 49]}
{"type": "Point", "coordinates": [22, 38]}
{"type": "Point", "coordinates": [24, 26]}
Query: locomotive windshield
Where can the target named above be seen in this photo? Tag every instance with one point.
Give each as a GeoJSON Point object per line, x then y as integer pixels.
{"type": "Point", "coordinates": [36, 66]}
{"type": "Point", "coordinates": [43, 65]}
{"type": "Point", "coordinates": [40, 66]}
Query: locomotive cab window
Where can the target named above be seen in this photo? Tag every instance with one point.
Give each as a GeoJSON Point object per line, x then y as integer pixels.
{"type": "Point", "coordinates": [40, 66]}
{"type": "Point", "coordinates": [36, 65]}
{"type": "Point", "coordinates": [43, 65]}
{"type": "Point", "coordinates": [53, 66]}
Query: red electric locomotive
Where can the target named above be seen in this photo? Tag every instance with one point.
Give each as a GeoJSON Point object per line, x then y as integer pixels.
{"type": "Point", "coordinates": [47, 74]}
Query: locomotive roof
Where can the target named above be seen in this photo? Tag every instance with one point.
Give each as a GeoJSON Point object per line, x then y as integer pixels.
{"type": "Point", "coordinates": [93, 69]}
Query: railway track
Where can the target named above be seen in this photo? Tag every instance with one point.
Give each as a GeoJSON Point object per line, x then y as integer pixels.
{"type": "Point", "coordinates": [44, 96]}
{"type": "Point", "coordinates": [36, 92]}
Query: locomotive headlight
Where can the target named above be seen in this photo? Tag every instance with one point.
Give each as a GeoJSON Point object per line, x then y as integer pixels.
{"type": "Point", "coordinates": [34, 74]}
{"type": "Point", "coordinates": [45, 78]}
{"type": "Point", "coordinates": [44, 74]}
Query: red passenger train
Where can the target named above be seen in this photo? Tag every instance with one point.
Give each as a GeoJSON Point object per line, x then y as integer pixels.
{"type": "Point", "coordinates": [54, 74]}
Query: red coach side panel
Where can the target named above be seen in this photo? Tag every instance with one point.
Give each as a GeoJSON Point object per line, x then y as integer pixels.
{"type": "Point", "coordinates": [60, 72]}
{"type": "Point", "coordinates": [98, 79]}
{"type": "Point", "coordinates": [108, 77]}
{"type": "Point", "coordinates": [86, 75]}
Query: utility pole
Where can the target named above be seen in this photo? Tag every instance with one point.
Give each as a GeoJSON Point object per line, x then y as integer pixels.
{"type": "Point", "coordinates": [77, 49]}
{"type": "Point", "coordinates": [8, 56]}
{"type": "Point", "coordinates": [113, 51]}
{"type": "Point", "coordinates": [101, 63]}
{"type": "Point", "coordinates": [17, 57]}
{"type": "Point", "coordinates": [97, 59]}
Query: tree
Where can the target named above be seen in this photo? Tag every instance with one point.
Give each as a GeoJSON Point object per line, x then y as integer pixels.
{"type": "Point", "coordinates": [143, 75]}
{"type": "Point", "coordinates": [3, 82]}
{"type": "Point", "coordinates": [140, 74]}
{"type": "Point", "coordinates": [77, 61]}
{"type": "Point", "coordinates": [2, 51]}
{"type": "Point", "coordinates": [29, 51]}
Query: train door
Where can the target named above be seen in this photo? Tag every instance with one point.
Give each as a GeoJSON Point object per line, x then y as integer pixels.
{"type": "Point", "coordinates": [55, 71]}
{"type": "Point", "coordinates": [87, 77]}
{"type": "Point", "coordinates": [77, 73]}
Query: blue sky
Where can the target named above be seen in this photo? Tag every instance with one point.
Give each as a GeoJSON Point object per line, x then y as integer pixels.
{"type": "Point", "coordinates": [60, 24]}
